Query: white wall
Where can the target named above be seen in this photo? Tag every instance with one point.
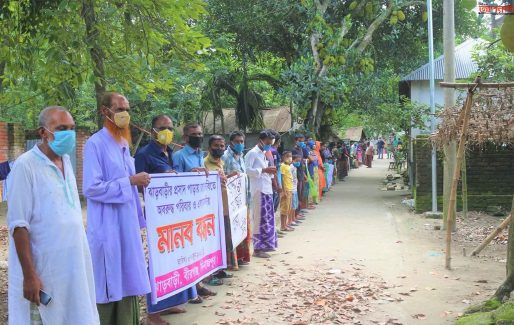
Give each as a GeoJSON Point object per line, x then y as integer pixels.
{"type": "Point", "coordinates": [420, 92]}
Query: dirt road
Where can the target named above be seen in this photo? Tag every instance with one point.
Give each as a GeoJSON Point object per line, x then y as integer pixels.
{"type": "Point", "coordinates": [359, 258]}
{"type": "Point", "coordinates": [366, 234]}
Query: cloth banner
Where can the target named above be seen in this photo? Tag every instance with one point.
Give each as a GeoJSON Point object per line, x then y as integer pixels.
{"type": "Point", "coordinates": [185, 231]}
{"type": "Point", "coordinates": [236, 194]}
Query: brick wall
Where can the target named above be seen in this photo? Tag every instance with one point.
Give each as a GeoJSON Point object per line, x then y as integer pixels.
{"type": "Point", "coordinates": [16, 136]}
{"type": "Point", "coordinates": [12, 143]}
{"type": "Point", "coordinates": [4, 148]}
{"type": "Point", "coordinates": [4, 142]}
{"type": "Point", "coordinates": [82, 136]}
{"type": "Point", "coordinates": [422, 188]}
{"type": "Point", "coordinates": [490, 173]}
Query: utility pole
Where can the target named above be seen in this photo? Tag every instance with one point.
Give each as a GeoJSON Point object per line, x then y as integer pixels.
{"type": "Point", "coordinates": [450, 150]}
{"type": "Point", "coordinates": [432, 102]}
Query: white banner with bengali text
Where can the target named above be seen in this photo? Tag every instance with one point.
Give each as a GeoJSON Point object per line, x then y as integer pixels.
{"type": "Point", "coordinates": [236, 194]}
{"type": "Point", "coordinates": [185, 231]}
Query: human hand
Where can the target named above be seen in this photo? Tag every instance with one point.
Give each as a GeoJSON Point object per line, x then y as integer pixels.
{"type": "Point", "coordinates": [31, 286]}
{"type": "Point", "coordinates": [171, 171]}
{"type": "Point", "coordinates": [201, 169]}
{"type": "Point", "coordinates": [234, 173]}
{"type": "Point", "coordinates": [270, 170]}
{"type": "Point", "coordinates": [140, 179]}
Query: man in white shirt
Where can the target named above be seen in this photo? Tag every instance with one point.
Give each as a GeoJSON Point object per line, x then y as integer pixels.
{"type": "Point", "coordinates": [260, 176]}
{"type": "Point", "coordinates": [48, 249]}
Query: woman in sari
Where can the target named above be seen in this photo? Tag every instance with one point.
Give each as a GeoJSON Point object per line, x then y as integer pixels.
{"type": "Point", "coordinates": [321, 170]}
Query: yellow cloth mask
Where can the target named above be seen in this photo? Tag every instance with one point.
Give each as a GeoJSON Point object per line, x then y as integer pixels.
{"type": "Point", "coordinates": [164, 136]}
{"type": "Point", "coordinates": [122, 119]}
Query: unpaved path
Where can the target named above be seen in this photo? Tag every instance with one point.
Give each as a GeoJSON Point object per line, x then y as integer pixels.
{"type": "Point", "coordinates": [365, 233]}
{"type": "Point", "coordinates": [360, 257]}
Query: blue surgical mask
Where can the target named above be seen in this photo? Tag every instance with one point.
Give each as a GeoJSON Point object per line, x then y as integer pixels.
{"type": "Point", "coordinates": [266, 147]}
{"type": "Point", "coordinates": [301, 144]}
{"type": "Point", "coordinates": [238, 147]}
{"type": "Point", "coordinates": [312, 143]}
{"type": "Point", "coordinates": [296, 164]}
{"type": "Point", "coordinates": [63, 143]}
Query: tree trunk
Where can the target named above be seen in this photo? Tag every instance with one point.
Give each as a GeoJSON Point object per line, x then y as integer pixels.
{"type": "Point", "coordinates": [95, 51]}
{"type": "Point", "coordinates": [508, 285]}
{"type": "Point", "coordinates": [450, 150]}
{"type": "Point", "coordinates": [2, 69]}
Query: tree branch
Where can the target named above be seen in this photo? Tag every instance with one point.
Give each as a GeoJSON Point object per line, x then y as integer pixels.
{"type": "Point", "coordinates": [366, 40]}
{"type": "Point", "coordinates": [315, 53]}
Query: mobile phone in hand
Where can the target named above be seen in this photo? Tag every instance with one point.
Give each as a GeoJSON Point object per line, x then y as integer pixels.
{"type": "Point", "coordinates": [44, 298]}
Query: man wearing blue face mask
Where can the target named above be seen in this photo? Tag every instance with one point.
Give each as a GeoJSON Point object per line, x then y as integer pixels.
{"type": "Point", "coordinates": [234, 162]}
{"type": "Point", "coordinates": [48, 248]}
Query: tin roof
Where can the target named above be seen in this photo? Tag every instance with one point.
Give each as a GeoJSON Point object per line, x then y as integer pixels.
{"type": "Point", "coordinates": [464, 64]}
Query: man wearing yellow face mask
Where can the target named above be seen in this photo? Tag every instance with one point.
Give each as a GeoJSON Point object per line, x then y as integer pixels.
{"type": "Point", "coordinates": [114, 216]}
{"type": "Point", "coordinates": [156, 156]}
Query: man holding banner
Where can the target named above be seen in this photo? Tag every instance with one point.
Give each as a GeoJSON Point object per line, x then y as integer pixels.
{"type": "Point", "coordinates": [156, 157]}
{"type": "Point", "coordinates": [213, 162]}
{"type": "Point", "coordinates": [233, 161]}
{"type": "Point", "coordinates": [261, 191]}
{"type": "Point", "coordinates": [114, 216]}
{"type": "Point", "coordinates": [186, 234]}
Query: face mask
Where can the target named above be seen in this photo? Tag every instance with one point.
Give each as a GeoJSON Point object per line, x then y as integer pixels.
{"type": "Point", "coordinates": [195, 142]}
{"type": "Point", "coordinates": [289, 160]}
{"type": "Point", "coordinates": [122, 119]}
{"type": "Point", "coordinates": [238, 147]}
{"type": "Point", "coordinates": [217, 153]}
{"type": "Point", "coordinates": [330, 161]}
{"type": "Point", "coordinates": [312, 143]}
{"type": "Point", "coordinates": [301, 144]}
{"type": "Point", "coordinates": [164, 137]}
{"type": "Point", "coordinates": [296, 164]}
{"type": "Point", "coordinates": [63, 143]}
{"type": "Point", "coordinates": [266, 147]}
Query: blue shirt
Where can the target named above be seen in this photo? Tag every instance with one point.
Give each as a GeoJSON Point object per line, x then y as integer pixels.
{"type": "Point", "coordinates": [233, 162]}
{"type": "Point", "coordinates": [152, 159]}
{"type": "Point", "coordinates": [187, 158]}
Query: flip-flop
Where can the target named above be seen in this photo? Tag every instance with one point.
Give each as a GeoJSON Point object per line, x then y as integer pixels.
{"type": "Point", "coordinates": [214, 281]}
{"type": "Point", "coordinates": [243, 263]}
{"type": "Point", "coordinates": [196, 301]}
{"type": "Point", "coordinates": [205, 292]}
{"type": "Point", "coordinates": [223, 275]}
{"type": "Point", "coordinates": [261, 254]}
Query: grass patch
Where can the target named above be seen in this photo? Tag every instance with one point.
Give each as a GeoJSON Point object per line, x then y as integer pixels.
{"type": "Point", "coordinates": [482, 318]}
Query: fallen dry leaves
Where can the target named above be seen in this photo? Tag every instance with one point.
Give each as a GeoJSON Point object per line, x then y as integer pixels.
{"type": "Point", "coordinates": [312, 297]}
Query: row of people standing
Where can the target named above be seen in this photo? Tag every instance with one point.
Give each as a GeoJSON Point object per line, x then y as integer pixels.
{"type": "Point", "coordinates": [97, 276]}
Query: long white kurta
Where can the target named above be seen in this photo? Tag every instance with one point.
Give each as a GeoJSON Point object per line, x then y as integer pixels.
{"type": "Point", "coordinates": [47, 204]}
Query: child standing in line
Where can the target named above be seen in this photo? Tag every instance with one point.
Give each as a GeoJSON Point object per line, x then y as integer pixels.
{"type": "Point", "coordinates": [286, 196]}
{"type": "Point", "coordinates": [294, 215]}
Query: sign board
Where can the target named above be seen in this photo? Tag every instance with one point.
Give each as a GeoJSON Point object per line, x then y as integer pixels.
{"type": "Point", "coordinates": [185, 231]}
{"type": "Point", "coordinates": [236, 194]}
